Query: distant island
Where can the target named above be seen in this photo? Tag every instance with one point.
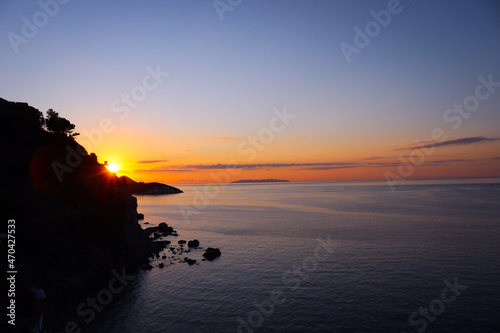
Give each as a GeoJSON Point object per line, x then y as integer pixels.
{"type": "Point", "coordinates": [261, 181]}
{"type": "Point", "coordinates": [141, 188]}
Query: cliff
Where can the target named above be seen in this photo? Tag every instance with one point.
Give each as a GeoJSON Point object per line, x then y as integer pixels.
{"type": "Point", "coordinates": [75, 222]}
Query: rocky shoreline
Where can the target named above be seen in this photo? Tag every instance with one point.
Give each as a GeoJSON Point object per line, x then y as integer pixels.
{"type": "Point", "coordinates": [175, 252]}
{"type": "Point", "coordinates": [76, 222]}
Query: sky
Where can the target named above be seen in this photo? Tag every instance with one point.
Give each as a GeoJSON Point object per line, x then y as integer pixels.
{"type": "Point", "coordinates": [217, 91]}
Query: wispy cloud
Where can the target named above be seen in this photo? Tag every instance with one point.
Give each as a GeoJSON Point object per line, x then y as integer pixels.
{"type": "Point", "coordinates": [495, 158]}
{"type": "Point", "coordinates": [162, 170]}
{"type": "Point", "coordinates": [259, 166]}
{"type": "Point", "coordinates": [373, 158]}
{"type": "Point", "coordinates": [151, 161]}
{"type": "Point", "coordinates": [296, 166]}
{"type": "Point", "coordinates": [456, 142]}
{"type": "Point", "coordinates": [452, 161]}
{"type": "Point", "coordinates": [219, 166]}
{"type": "Point", "coordinates": [320, 168]}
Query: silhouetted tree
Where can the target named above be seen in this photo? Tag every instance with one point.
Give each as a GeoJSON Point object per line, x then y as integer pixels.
{"type": "Point", "coordinates": [57, 124]}
{"type": "Point", "coordinates": [41, 118]}
{"type": "Point", "coordinates": [93, 157]}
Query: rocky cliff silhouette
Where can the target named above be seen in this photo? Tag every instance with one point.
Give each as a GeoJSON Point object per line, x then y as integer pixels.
{"type": "Point", "coordinates": [75, 220]}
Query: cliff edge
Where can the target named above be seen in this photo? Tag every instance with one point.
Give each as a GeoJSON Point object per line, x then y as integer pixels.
{"type": "Point", "coordinates": [75, 222]}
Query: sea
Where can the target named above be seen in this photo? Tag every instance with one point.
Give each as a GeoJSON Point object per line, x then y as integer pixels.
{"type": "Point", "coordinates": [421, 256]}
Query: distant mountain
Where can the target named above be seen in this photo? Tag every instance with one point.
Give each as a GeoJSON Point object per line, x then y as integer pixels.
{"type": "Point", "coordinates": [261, 181]}
{"type": "Point", "coordinates": [141, 188]}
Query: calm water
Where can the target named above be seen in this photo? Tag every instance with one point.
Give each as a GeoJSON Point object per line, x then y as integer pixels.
{"type": "Point", "coordinates": [388, 256]}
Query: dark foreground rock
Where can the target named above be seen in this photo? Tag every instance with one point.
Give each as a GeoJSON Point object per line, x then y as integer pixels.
{"type": "Point", "coordinates": [76, 222]}
{"type": "Point", "coordinates": [193, 243]}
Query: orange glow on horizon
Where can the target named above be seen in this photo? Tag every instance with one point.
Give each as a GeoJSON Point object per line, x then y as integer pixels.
{"type": "Point", "coordinates": [145, 158]}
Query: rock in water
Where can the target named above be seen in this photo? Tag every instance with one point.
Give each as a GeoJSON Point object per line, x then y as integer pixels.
{"type": "Point", "coordinates": [190, 261]}
{"type": "Point", "coordinates": [163, 227]}
{"type": "Point", "coordinates": [211, 253]}
{"type": "Point", "coordinates": [193, 243]}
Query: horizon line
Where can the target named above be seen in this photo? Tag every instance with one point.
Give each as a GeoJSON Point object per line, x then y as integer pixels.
{"type": "Point", "coordinates": [347, 180]}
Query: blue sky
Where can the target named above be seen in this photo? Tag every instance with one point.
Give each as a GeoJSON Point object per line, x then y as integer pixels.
{"type": "Point", "coordinates": [226, 76]}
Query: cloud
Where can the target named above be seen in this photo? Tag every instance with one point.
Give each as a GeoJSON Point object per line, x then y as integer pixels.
{"type": "Point", "coordinates": [162, 170]}
{"type": "Point", "coordinates": [151, 161]}
{"type": "Point", "coordinates": [261, 166]}
{"type": "Point", "coordinates": [456, 142]}
{"type": "Point", "coordinates": [297, 166]}
{"type": "Point", "coordinates": [219, 166]}
{"type": "Point", "coordinates": [373, 158]}
{"type": "Point", "coordinates": [495, 158]}
{"type": "Point", "coordinates": [452, 161]}
{"type": "Point", "coordinates": [319, 168]}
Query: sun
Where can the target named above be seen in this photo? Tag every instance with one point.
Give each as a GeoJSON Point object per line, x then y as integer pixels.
{"type": "Point", "coordinates": [113, 167]}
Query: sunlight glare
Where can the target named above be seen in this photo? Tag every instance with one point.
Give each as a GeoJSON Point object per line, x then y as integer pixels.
{"type": "Point", "coordinates": [113, 167]}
